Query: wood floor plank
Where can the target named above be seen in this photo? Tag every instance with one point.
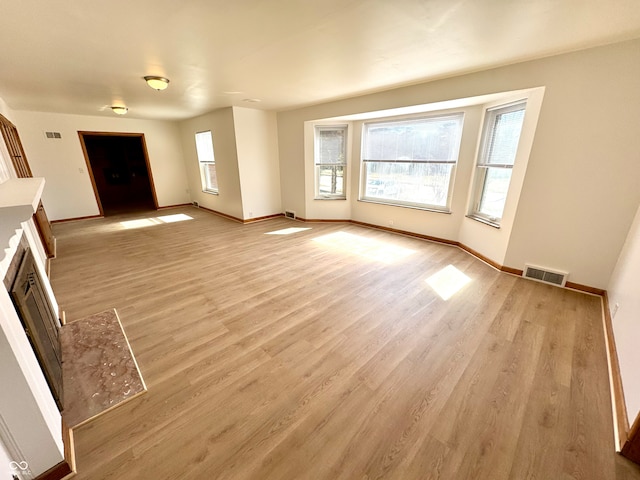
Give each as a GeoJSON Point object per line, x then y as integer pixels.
{"type": "Point", "coordinates": [326, 354]}
{"type": "Point", "coordinates": [584, 454]}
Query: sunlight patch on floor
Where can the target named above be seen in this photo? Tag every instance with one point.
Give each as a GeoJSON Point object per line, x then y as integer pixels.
{"type": "Point", "coordinates": [178, 217]}
{"type": "Point", "coordinates": [150, 222]}
{"type": "Point", "coordinates": [448, 281]}
{"type": "Point", "coordinates": [364, 247]}
{"type": "Point", "coordinates": [287, 231]}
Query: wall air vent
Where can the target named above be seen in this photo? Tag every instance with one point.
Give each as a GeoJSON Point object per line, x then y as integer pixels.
{"type": "Point", "coordinates": [545, 275]}
{"type": "Point", "coordinates": [290, 214]}
{"type": "Point", "coordinates": [52, 135]}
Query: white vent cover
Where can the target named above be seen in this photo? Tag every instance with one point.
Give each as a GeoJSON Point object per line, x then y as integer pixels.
{"type": "Point", "coordinates": [290, 214]}
{"type": "Point", "coordinates": [545, 275]}
{"type": "Point", "coordinates": [52, 135]}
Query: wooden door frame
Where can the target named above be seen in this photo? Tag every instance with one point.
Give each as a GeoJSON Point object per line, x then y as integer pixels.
{"type": "Point", "coordinates": [81, 135]}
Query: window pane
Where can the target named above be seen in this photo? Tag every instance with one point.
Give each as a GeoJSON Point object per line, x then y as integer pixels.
{"type": "Point", "coordinates": [330, 159]}
{"type": "Point", "coordinates": [330, 179]}
{"type": "Point", "coordinates": [505, 134]}
{"type": "Point", "coordinates": [494, 192]}
{"type": "Point", "coordinates": [500, 138]}
{"type": "Point", "coordinates": [424, 139]}
{"type": "Point", "coordinates": [204, 146]}
{"type": "Point", "coordinates": [210, 177]}
{"type": "Point", "coordinates": [330, 145]}
{"type": "Point", "coordinates": [204, 150]}
{"type": "Point", "coordinates": [413, 183]}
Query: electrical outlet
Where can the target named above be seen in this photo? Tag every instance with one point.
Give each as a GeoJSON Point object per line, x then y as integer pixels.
{"type": "Point", "coordinates": [391, 223]}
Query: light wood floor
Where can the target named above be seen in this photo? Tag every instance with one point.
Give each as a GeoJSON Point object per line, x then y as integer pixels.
{"type": "Point", "coordinates": [284, 357]}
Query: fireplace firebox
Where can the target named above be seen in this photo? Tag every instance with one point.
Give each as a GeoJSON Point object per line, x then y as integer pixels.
{"type": "Point", "coordinates": [40, 322]}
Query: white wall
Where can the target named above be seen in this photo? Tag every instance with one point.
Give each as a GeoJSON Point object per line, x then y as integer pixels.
{"type": "Point", "coordinates": [292, 159]}
{"type": "Point", "coordinates": [624, 291]}
{"type": "Point", "coordinates": [5, 467]}
{"type": "Point", "coordinates": [220, 122]}
{"type": "Point", "coordinates": [580, 191]}
{"type": "Point", "coordinates": [69, 193]}
{"type": "Point", "coordinates": [6, 171]}
{"type": "Point", "coordinates": [258, 165]}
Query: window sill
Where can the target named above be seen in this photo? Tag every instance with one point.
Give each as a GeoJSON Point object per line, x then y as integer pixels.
{"type": "Point", "coordinates": [210, 192]}
{"type": "Point", "coordinates": [402, 205]}
{"type": "Point", "coordinates": [486, 221]}
{"type": "Point", "coordinates": [330, 198]}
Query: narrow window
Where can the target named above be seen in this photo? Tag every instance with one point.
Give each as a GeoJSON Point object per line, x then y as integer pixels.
{"type": "Point", "coordinates": [204, 149]}
{"type": "Point", "coordinates": [496, 157]}
{"type": "Point", "coordinates": [330, 160]}
{"type": "Point", "coordinates": [411, 162]}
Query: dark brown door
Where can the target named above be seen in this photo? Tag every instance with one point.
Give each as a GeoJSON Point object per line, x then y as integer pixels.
{"type": "Point", "coordinates": [120, 172]}
{"type": "Point", "coordinates": [20, 164]}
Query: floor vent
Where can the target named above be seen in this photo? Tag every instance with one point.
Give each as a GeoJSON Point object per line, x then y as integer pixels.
{"type": "Point", "coordinates": [290, 214]}
{"type": "Point", "coordinates": [552, 277]}
{"type": "Point", "coordinates": [52, 134]}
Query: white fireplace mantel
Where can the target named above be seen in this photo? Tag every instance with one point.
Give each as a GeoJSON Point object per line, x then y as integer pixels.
{"type": "Point", "coordinates": [19, 198]}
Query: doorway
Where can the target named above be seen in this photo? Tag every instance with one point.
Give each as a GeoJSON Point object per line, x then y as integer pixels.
{"type": "Point", "coordinates": [120, 172]}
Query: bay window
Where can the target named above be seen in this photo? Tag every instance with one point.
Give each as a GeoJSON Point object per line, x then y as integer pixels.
{"type": "Point", "coordinates": [330, 159]}
{"type": "Point", "coordinates": [411, 162]}
{"type": "Point", "coordinates": [496, 157]}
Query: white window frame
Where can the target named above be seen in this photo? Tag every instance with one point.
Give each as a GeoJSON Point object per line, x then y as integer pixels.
{"type": "Point", "coordinates": [206, 160]}
{"type": "Point", "coordinates": [483, 166]}
{"type": "Point", "coordinates": [452, 161]}
{"type": "Point", "coordinates": [334, 165]}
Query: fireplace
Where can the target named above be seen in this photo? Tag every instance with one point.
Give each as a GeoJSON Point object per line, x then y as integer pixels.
{"type": "Point", "coordinates": [30, 426]}
{"type": "Point", "coordinates": [38, 318]}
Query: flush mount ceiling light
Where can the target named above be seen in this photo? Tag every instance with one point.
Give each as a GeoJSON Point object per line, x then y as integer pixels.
{"type": "Point", "coordinates": [119, 110]}
{"type": "Point", "coordinates": [157, 83]}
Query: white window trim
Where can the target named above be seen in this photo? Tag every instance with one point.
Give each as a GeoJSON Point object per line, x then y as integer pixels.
{"type": "Point", "coordinates": [400, 203]}
{"type": "Point", "coordinates": [482, 167]}
{"type": "Point", "coordinates": [316, 155]}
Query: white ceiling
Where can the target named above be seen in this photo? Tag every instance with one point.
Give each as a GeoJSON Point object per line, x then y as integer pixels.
{"type": "Point", "coordinates": [80, 57]}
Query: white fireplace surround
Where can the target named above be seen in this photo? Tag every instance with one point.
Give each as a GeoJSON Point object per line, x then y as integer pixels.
{"type": "Point", "coordinates": [31, 429]}
{"type": "Point", "coordinates": [19, 199]}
